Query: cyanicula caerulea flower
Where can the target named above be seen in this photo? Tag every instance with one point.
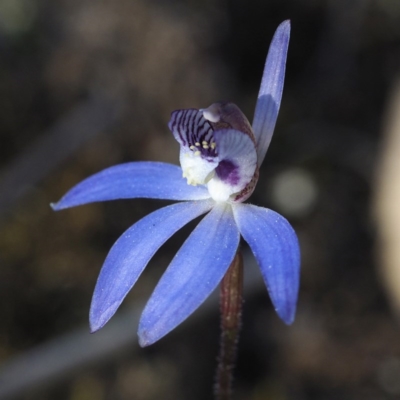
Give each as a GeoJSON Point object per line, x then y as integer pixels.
{"type": "Point", "coordinates": [220, 155]}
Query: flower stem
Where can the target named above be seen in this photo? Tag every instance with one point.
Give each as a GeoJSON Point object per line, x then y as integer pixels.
{"type": "Point", "coordinates": [231, 313]}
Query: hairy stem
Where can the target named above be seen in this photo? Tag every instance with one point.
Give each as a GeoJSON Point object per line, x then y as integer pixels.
{"type": "Point", "coordinates": [231, 313]}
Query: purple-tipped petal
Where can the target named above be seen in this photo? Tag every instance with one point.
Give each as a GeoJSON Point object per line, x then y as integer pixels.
{"type": "Point", "coordinates": [270, 95]}
{"type": "Point", "coordinates": [131, 253]}
{"type": "Point", "coordinates": [193, 274]}
{"type": "Point", "coordinates": [154, 180]}
{"type": "Point", "coordinates": [276, 249]}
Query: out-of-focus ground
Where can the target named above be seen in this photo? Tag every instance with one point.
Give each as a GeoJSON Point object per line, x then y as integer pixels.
{"type": "Point", "coordinates": [88, 84]}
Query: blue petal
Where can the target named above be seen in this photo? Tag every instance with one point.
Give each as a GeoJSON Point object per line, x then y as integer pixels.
{"type": "Point", "coordinates": [275, 246]}
{"type": "Point", "coordinates": [131, 253]}
{"type": "Point", "coordinates": [154, 180]}
{"type": "Point", "coordinates": [270, 95]}
{"type": "Point", "coordinates": [193, 274]}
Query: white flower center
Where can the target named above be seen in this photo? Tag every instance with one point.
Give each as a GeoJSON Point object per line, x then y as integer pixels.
{"type": "Point", "coordinates": [196, 170]}
{"type": "Point", "coordinates": [219, 190]}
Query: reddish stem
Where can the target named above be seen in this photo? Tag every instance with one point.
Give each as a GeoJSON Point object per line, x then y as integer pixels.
{"type": "Point", "coordinates": [231, 313]}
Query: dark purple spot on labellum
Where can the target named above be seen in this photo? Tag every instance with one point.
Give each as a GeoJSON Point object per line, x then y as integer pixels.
{"type": "Point", "coordinates": [228, 172]}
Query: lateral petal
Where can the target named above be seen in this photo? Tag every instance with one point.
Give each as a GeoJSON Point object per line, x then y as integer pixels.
{"type": "Point", "coordinates": [276, 249]}
{"type": "Point", "coordinates": [154, 180]}
{"type": "Point", "coordinates": [193, 274]}
{"type": "Point", "coordinates": [131, 253]}
{"type": "Point", "coordinates": [270, 94]}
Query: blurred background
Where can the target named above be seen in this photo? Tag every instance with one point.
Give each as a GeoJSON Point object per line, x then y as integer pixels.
{"type": "Point", "coordinates": [88, 84]}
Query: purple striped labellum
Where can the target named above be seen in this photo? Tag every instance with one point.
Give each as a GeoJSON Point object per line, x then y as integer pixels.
{"type": "Point", "coordinates": [217, 149]}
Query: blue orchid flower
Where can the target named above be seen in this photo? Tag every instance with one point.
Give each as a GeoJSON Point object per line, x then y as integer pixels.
{"type": "Point", "coordinates": [220, 155]}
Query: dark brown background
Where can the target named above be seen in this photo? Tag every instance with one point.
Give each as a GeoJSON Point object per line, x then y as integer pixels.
{"type": "Point", "coordinates": [87, 84]}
